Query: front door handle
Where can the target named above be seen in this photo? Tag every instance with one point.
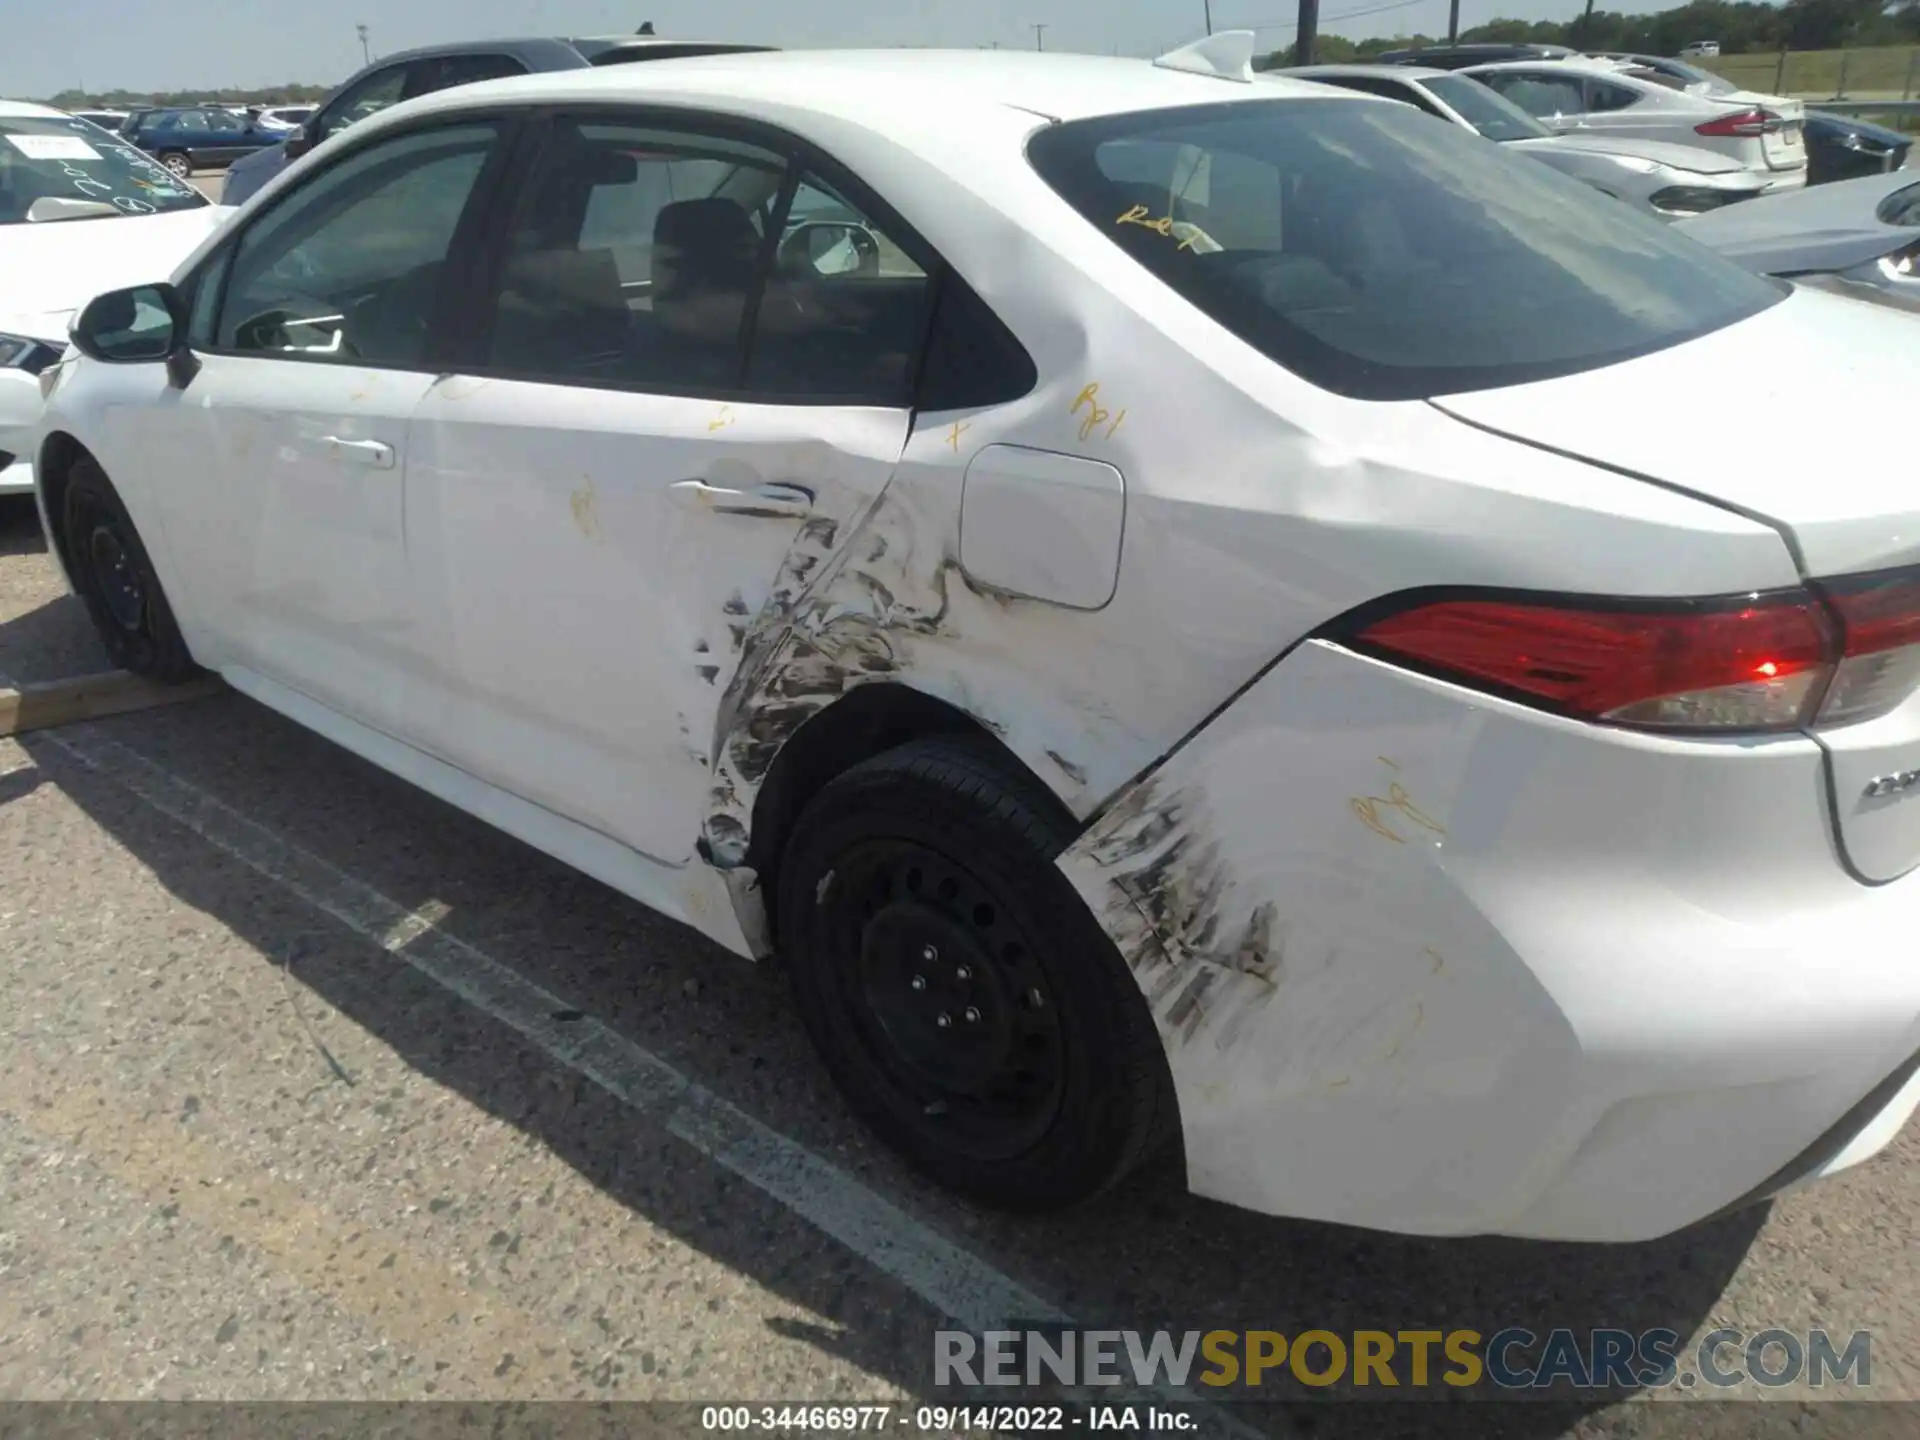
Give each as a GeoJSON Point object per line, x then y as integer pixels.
{"type": "Point", "coordinates": [769, 502]}
{"type": "Point", "coordinates": [376, 453]}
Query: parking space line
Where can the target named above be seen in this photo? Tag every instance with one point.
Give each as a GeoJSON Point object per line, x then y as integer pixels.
{"type": "Point", "coordinates": [956, 1283]}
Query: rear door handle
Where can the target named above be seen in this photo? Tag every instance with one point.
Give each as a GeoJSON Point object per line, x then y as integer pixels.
{"type": "Point", "coordinates": [376, 453]}
{"type": "Point", "coordinates": [767, 501]}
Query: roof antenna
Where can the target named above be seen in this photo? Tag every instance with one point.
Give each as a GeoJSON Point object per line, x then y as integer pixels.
{"type": "Point", "coordinates": [1226, 55]}
{"type": "Point", "coordinates": [646, 28]}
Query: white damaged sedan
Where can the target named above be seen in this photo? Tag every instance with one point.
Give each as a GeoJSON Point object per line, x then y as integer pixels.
{"type": "Point", "coordinates": [61, 180]}
{"type": "Point", "coordinates": [1185, 612]}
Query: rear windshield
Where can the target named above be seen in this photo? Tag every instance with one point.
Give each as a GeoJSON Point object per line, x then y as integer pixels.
{"type": "Point", "coordinates": [1379, 255]}
{"type": "Point", "coordinates": [1485, 108]}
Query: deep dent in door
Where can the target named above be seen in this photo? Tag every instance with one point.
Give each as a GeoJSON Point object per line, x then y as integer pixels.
{"type": "Point", "coordinates": [882, 597]}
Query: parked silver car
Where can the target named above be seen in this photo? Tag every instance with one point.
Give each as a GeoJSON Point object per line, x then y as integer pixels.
{"type": "Point", "coordinates": [1669, 180]}
{"type": "Point", "coordinates": [1603, 97]}
{"type": "Point", "coordinates": [1855, 237]}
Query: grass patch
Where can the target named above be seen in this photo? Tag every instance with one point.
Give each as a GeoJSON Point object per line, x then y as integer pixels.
{"type": "Point", "coordinates": [1878, 73]}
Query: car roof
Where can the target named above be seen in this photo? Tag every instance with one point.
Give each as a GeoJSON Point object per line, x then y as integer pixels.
{"type": "Point", "coordinates": [541, 48]}
{"type": "Point", "coordinates": [1582, 64]}
{"type": "Point", "coordinates": [19, 109]}
{"type": "Point", "coordinates": [1369, 72]}
{"type": "Point", "coordinates": [893, 90]}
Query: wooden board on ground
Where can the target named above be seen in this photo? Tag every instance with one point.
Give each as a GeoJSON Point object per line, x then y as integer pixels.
{"type": "Point", "coordinates": [91, 697]}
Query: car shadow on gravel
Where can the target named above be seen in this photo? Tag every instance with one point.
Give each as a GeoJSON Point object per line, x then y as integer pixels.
{"type": "Point", "coordinates": [20, 527]}
{"type": "Point", "coordinates": [1147, 1257]}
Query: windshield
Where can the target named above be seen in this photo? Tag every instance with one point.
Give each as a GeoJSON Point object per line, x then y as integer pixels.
{"type": "Point", "coordinates": [1381, 256]}
{"type": "Point", "coordinates": [1484, 108]}
{"type": "Point", "coordinates": [57, 157]}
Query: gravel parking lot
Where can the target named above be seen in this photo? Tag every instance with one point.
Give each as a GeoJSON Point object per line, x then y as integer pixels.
{"type": "Point", "coordinates": [317, 1089]}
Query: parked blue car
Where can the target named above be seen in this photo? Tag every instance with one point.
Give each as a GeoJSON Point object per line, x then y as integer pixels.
{"type": "Point", "coordinates": [205, 137]}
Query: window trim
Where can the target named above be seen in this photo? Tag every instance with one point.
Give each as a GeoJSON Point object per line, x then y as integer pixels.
{"type": "Point", "coordinates": [467, 356]}
{"type": "Point", "coordinates": [468, 233]}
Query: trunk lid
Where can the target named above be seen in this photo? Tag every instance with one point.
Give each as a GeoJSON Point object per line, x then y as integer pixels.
{"type": "Point", "coordinates": [1799, 416]}
{"type": "Point", "coordinates": [1783, 144]}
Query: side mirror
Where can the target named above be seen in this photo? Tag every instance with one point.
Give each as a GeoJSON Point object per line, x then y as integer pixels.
{"type": "Point", "coordinates": [136, 326]}
{"type": "Point", "coordinates": [303, 139]}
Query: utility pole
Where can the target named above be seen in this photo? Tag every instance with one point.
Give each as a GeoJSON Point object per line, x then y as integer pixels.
{"type": "Point", "coordinates": [366, 56]}
{"type": "Point", "coordinates": [1209, 9]}
{"type": "Point", "coordinates": [1308, 31]}
{"type": "Point", "coordinates": [1453, 21]}
{"type": "Point", "coordinates": [1039, 37]}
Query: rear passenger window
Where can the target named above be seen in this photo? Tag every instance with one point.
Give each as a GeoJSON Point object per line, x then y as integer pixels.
{"type": "Point", "coordinates": [845, 310]}
{"type": "Point", "coordinates": [1602, 96]}
{"type": "Point", "coordinates": [446, 71]}
{"type": "Point", "coordinates": [973, 359]}
{"type": "Point", "coordinates": [1541, 96]}
{"type": "Point", "coordinates": [635, 260]}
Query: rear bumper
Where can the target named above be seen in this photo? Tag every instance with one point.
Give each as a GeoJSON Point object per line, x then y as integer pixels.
{"type": "Point", "coordinates": [1778, 180]}
{"type": "Point", "coordinates": [1434, 963]}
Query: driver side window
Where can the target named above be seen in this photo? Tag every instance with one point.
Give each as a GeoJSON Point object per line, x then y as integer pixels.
{"type": "Point", "coordinates": [348, 267]}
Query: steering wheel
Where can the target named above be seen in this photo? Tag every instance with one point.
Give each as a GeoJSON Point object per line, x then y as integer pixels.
{"type": "Point", "coordinates": [796, 250]}
{"type": "Point", "coordinates": [269, 329]}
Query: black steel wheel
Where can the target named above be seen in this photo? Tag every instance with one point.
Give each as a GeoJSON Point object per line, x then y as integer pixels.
{"type": "Point", "coordinates": [116, 581]}
{"type": "Point", "coordinates": [966, 1002]}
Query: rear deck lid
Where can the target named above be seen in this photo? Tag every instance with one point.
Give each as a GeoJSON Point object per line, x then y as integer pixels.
{"type": "Point", "coordinates": [1799, 416]}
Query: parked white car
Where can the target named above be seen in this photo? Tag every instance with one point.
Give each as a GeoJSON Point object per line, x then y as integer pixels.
{"type": "Point", "coordinates": [1858, 237]}
{"type": "Point", "coordinates": [1586, 96]}
{"type": "Point", "coordinates": [1225, 622]}
{"type": "Point", "coordinates": [1667, 180]}
{"type": "Point", "coordinates": [62, 180]}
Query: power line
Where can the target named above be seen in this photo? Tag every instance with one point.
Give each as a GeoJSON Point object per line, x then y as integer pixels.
{"type": "Point", "coordinates": [1342, 15]}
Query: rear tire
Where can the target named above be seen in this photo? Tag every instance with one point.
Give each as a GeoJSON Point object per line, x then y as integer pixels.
{"type": "Point", "coordinates": [963, 997]}
{"type": "Point", "coordinates": [116, 581]}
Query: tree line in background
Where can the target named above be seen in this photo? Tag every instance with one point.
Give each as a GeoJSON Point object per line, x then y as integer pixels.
{"type": "Point", "coordinates": [1740, 27]}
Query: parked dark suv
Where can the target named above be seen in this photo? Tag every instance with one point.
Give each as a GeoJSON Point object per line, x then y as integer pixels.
{"type": "Point", "coordinates": [1458, 57]}
{"type": "Point", "coordinates": [200, 137]}
{"type": "Point", "coordinates": [411, 73]}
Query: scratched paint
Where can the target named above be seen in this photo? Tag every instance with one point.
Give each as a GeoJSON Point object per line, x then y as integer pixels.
{"type": "Point", "coordinates": [880, 598]}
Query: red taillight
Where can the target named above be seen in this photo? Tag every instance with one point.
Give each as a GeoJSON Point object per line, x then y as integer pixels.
{"type": "Point", "coordinates": [1744, 123]}
{"type": "Point", "coordinates": [1749, 666]}
{"type": "Point", "coordinates": [1836, 654]}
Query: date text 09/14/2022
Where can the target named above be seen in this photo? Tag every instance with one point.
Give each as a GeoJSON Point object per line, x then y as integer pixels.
{"type": "Point", "coordinates": [943, 1419]}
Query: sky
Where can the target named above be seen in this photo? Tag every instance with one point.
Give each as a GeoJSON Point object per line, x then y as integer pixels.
{"type": "Point", "coordinates": [52, 45]}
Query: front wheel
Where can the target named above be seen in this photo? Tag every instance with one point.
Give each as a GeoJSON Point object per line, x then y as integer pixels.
{"type": "Point", "coordinates": [178, 163]}
{"type": "Point", "coordinates": [969, 1007]}
{"type": "Point", "coordinates": [116, 581]}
